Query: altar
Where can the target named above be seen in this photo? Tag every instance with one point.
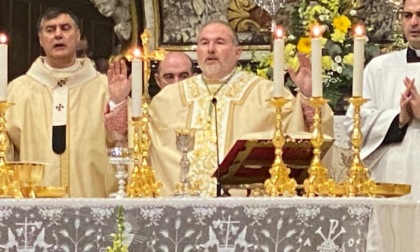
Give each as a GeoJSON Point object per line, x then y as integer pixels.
{"type": "Point", "coordinates": [222, 224]}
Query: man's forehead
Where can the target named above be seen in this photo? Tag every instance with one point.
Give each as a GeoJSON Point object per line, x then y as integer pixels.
{"type": "Point", "coordinates": [215, 31]}
{"type": "Point", "coordinates": [62, 19]}
{"type": "Point", "coordinates": [175, 69]}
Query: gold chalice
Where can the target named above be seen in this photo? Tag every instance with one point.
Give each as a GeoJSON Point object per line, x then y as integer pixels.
{"type": "Point", "coordinates": [121, 157]}
{"type": "Point", "coordinates": [185, 141]}
{"type": "Point", "coordinates": [27, 174]}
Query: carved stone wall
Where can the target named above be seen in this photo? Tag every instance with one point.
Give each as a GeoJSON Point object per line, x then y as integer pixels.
{"type": "Point", "coordinates": [175, 22]}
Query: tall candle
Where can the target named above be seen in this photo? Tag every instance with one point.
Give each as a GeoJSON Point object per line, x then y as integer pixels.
{"type": "Point", "coordinates": [3, 68]}
{"type": "Point", "coordinates": [278, 68]}
{"type": "Point", "coordinates": [358, 60]}
{"type": "Point", "coordinates": [136, 83]}
{"type": "Point", "coordinates": [316, 62]}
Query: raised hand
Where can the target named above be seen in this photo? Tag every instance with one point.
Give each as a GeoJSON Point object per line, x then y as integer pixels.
{"type": "Point", "coordinates": [118, 84]}
{"type": "Point", "coordinates": [415, 99]}
{"type": "Point", "coordinates": [406, 114]}
{"type": "Point", "coordinates": [303, 77]}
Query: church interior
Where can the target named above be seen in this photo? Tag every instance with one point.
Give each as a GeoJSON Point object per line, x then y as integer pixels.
{"type": "Point", "coordinates": [335, 205]}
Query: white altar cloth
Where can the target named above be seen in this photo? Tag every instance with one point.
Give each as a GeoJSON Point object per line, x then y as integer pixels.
{"type": "Point", "coordinates": [223, 224]}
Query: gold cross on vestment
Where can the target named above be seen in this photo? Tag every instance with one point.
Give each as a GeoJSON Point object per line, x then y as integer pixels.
{"type": "Point", "coordinates": [147, 56]}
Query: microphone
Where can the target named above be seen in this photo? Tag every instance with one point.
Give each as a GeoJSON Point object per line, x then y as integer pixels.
{"type": "Point", "coordinates": [218, 185]}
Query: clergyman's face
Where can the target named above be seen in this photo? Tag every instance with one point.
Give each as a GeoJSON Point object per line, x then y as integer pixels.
{"type": "Point", "coordinates": [217, 54]}
{"type": "Point", "coordinates": [411, 22]}
{"type": "Point", "coordinates": [174, 68]}
{"type": "Point", "coordinates": [59, 38]}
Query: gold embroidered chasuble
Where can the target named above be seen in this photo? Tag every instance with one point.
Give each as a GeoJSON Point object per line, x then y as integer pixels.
{"type": "Point", "coordinates": [241, 108]}
{"type": "Point", "coordinates": [84, 165]}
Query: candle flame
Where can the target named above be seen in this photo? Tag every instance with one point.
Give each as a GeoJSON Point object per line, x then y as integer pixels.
{"type": "Point", "coordinates": [279, 32]}
{"type": "Point", "coordinates": [3, 38]}
{"type": "Point", "coordinates": [317, 31]}
{"type": "Point", "coordinates": [137, 53]}
{"type": "Point", "coordinates": [359, 30]}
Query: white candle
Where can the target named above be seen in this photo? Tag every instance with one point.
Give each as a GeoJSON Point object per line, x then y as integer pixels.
{"type": "Point", "coordinates": [3, 68]}
{"type": "Point", "coordinates": [278, 68]}
{"type": "Point", "coordinates": [136, 83]}
{"type": "Point", "coordinates": [358, 60]}
{"type": "Point", "coordinates": [316, 62]}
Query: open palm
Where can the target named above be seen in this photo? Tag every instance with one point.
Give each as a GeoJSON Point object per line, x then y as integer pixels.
{"type": "Point", "coordinates": [118, 84]}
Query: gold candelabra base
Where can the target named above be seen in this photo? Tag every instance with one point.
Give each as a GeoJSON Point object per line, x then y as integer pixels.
{"type": "Point", "coordinates": [279, 182]}
{"type": "Point", "coordinates": [358, 182]}
{"type": "Point", "coordinates": [8, 187]}
{"type": "Point", "coordinates": [142, 181]}
{"type": "Point", "coordinates": [318, 182]}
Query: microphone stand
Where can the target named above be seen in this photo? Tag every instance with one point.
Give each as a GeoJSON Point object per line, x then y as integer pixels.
{"type": "Point", "coordinates": [218, 185]}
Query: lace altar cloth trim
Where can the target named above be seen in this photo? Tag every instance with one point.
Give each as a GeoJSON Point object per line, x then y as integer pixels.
{"type": "Point", "coordinates": [187, 224]}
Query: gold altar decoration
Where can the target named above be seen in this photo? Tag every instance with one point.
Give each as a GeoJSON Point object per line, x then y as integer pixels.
{"type": "Point", "coordinates": [318, 182]}
{"type": "Point", "coordinates": [27, 175]}
{"type": "Point", "coordinates": [358, 181]}
{"type": "Point", "coordinates": [146, 56]}
{"type": "Point", "coordinates": [142, 182]}
{"type": "Point", "coordinates": [279, 182]}
{"type": "Point", "coordinates": [8, 187]}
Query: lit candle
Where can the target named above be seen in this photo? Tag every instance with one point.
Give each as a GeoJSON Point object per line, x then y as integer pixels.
{"type": "Point", "coordinates": [278, 69]}
{"type": "Point", "coordinates": [316, 61]}
{"type": "Point", "coordinates": [358, 60]}
{"type": "Point", "coordinates": [3, 68]}
{"type": "Point", "coordinates": [136, 83]}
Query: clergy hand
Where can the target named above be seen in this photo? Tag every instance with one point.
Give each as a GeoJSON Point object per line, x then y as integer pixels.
{"type": "Point", "coordinates": [118, 84]}
{"type": "Point", "coordinates": [303, 77]}
{"type": "Point", "coordinates": [406, 114]}
{"type": "Point", "coordinates": [415, 98]}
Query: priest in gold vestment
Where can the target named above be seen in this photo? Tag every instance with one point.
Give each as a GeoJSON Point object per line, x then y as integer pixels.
{"type": "Point", "coordinates": [58, 117]}
{"type": "Point", "coordinates": [239, 101]}
{"type": "Point", "coordinates": [222, 104]}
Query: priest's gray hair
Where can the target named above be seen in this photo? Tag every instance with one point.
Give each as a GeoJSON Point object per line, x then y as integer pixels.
{"type": "Point", "coordinates": [217, 21]}
{"type": "Point", "coordinates": [54, 12]}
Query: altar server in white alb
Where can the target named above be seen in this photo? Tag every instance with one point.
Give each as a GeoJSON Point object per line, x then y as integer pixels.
{"type": "Point", "coordinates": [391, 117]}
{"type": "Point", "coordinates": [59, 112]}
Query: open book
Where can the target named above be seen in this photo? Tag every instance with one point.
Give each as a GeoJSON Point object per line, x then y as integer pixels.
{"type": "Point", "coordinates": [251, 157]}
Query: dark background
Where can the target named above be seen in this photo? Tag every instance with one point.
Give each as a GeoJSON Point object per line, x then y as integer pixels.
{"type": "Point", "coordinates": [18, 20]}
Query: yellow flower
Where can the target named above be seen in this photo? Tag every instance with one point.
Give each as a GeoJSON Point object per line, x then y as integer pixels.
{"type": "Point", "coordinates": [342, 23]}
{"type": "Point", "coordinates": [338, 36]}
{"type": "Point", "coordinates": [289, 50]}
{"type": "Point", "coordinates": [304, 45]}
{"type": "Point", "coordinates": [348, 59]}
{"type": "Point", "coordinates": [262, 72]}
{"type": "Point", "coordinates": [327, 62]}
{"type": "Point", "coordinates": [293, 63]}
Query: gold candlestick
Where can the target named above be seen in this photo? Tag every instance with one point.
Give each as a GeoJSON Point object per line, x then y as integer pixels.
{"type": "Point", "coordinates": [318, 182]}
{"type": "Point", "coordinates": [358, 181]}
{"type": "Point", "coordinates": [279, 182]}
{"type": "Point", "coordinates": [8, 187]}
{"type": "Point", "coordinates": [142, 181]}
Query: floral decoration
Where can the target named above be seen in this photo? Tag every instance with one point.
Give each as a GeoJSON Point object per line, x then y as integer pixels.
{"type": "Point", "coordinates": [119, 237]}
{"type": "Point", "coordinates": [337, 17]}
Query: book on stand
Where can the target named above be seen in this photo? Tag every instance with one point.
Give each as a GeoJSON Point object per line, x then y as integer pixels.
{"type": "Point", "coordinates": [251, 157]}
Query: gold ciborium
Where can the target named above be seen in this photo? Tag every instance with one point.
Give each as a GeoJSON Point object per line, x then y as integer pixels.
{"type": "Point", "coordinates": [28, 175]}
